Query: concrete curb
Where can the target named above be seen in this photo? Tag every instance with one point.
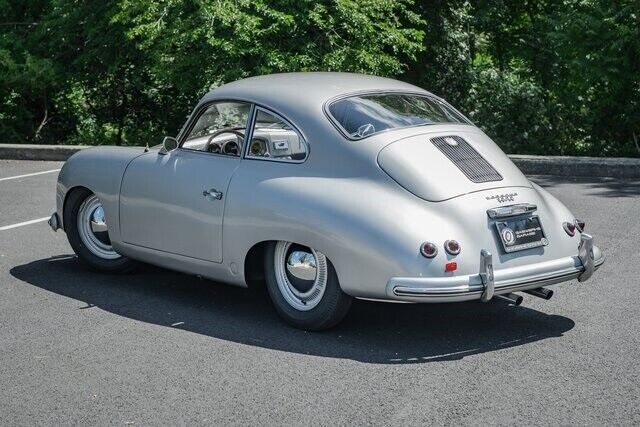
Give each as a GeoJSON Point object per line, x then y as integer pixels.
{"type": "Point", "coordinates": [531, 165]}
{"type": "Point", "coordinates": [38, 152]}
{"type": "Point", "coordinates": [616, 167]}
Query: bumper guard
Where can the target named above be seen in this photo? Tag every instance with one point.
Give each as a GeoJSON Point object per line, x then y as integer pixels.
{"type": "Point", "coordinates": [486, 283]}
{"type": "Point", "coordinates": [486, 275]}
{"type": "Point", "coordinates": [585, 253]}
{"type": "Point", "coordinates": [54, 222]}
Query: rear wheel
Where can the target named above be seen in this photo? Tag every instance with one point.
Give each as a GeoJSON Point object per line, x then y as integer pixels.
{"type": "Point", "coordinates": [86, 228]}
{"type": "Point", "coordinates": [304, 286]}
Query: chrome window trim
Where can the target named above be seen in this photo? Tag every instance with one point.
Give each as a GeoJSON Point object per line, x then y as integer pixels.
{"type": "Point", "coordinates": [338, 126]}
{"type": "Point", "coordinates": [200, 152]}
{"type": "Point", "coordinates": [249, 136]}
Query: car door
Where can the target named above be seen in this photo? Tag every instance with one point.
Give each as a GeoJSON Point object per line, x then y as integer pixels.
{"type": "Point", "coordinates": [174, 202]}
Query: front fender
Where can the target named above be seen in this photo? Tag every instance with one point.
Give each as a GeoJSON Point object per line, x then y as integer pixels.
{"type": "Point", "coordinates": [100, 170]}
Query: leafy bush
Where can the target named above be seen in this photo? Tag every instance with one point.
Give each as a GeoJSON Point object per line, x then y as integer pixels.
{"type": "Point", "coordinates": [512, 110]}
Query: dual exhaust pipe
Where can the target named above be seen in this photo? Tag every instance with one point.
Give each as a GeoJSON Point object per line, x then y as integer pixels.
{"type": "Point", "coordinates": [543, 293]}
{"type": "Point", "coordinates": [516, 299]}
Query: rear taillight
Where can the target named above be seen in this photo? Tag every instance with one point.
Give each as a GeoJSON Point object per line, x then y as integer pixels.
{"type": "Point", "coordinates": [580, 225]}
{"type": "Point", "coordinates": [452, 247]}
{"type": "Point", "coordinates": [569, 227]}
{"type": "Point", "coordinates": [428, 250]}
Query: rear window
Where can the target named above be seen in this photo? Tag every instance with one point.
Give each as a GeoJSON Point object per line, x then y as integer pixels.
{"type": "Point", "coordinates": [364, 115]}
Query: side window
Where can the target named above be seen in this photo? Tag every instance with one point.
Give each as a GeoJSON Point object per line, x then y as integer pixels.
{"type": "Point", "coordinates": [275, 139]}
{"type": "Point", "coordinates": [220, 129]}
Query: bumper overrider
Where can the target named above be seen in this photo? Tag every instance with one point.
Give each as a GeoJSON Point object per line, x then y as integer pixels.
{"type": "Point", "coordinates": [54, 222]}
{"type": "Point", "coordinates": [487, 283]}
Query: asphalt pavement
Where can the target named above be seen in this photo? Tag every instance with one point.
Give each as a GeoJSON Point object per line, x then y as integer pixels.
{"type": "Point", "coordinates": [163, 348]}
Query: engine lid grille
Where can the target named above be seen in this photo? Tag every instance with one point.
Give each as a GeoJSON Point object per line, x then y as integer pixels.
{"type": "Point", "coordinates": [468, 160]}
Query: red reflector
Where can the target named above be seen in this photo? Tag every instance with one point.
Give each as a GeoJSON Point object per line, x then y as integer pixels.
{"type": "Point", "coordinates": [450, 266]}
{"type": "Point", "coordinates": [569, 227]}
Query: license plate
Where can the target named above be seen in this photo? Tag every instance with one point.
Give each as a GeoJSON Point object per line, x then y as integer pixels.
{"type": "Point", "coordinates": [521, 233]}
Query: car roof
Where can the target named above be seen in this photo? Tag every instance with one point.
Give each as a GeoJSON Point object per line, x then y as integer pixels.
{"type": "Point", "coordinates": [309, 89]}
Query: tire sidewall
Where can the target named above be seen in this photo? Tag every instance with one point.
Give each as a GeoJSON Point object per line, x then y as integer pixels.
{"type": "Point", "coordinates": [71, 209]}
{"type": "Point", "coordinates": [330, 310]}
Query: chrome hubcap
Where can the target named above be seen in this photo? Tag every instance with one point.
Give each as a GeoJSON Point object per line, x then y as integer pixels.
{"type": "Point", "coordinates": [302, 266]}
{"type": "Point", "coordinates": [92, 228]}
{"type": "Point", "coordinates": [301, 273]}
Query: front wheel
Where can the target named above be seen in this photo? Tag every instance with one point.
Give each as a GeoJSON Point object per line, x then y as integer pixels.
{"type": "Point", "coordinates": [86, 228]}
{"type": "Point", "coordinates": [304, 286]}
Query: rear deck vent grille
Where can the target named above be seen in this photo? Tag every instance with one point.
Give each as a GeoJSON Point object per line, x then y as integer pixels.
{"type": "Point", "coordinates": [468, 160]}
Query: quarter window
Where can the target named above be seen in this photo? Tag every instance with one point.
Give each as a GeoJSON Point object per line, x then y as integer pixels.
{"type": "Point", "coordinates": [220, 129]}
{"type": "Point", "coordinates": [273, 138]}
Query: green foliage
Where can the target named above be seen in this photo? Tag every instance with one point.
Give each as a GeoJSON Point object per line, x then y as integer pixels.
{"type": "Point", "coordinates": [26, 79]}
{"type": "Point", "coordinates": [559, 77]}
{"type": "Point", "coordinates": [512, 109]}
{"type": "Point", "coordinates": [598, 45]}
{"type": "Point", "coordinates": [191, 46]}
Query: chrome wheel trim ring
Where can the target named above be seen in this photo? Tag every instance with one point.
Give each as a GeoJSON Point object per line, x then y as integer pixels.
{"type": "Point", "coordinates": [91, 211]}
{"type": "Point", "coordinates": [301, 301]}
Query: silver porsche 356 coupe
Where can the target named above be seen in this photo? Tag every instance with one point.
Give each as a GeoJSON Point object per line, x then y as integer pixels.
{"type": "Point", "coordinates": [325, 187]}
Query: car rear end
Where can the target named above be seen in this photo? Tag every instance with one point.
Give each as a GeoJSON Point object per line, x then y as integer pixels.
{"type": "Point", "coordinates": [489, 231]}
{"type": "Point", "coordinates": [498, 233]}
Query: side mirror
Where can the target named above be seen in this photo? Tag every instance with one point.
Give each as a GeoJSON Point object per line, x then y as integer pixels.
{"type": "Point", "coordinates": [169, 144]}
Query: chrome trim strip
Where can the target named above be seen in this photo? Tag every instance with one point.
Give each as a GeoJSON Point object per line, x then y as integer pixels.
{"type": "Point", "coordinates": [511, 210]}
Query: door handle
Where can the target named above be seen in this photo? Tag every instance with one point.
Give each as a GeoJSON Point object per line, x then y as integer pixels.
{"type": "Point", "coordinates": [215, 194]}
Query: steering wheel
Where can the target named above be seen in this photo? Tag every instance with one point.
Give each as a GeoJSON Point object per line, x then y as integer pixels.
{"type": "Point", "coordinates": [234, 131]}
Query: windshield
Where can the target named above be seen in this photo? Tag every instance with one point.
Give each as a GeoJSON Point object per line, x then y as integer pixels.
{"type": "Point", "coordinates": [364, 115]}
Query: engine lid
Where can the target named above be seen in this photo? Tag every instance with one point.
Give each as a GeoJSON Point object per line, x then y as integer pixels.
{"type": "Point", "coordinates": [438, 166]}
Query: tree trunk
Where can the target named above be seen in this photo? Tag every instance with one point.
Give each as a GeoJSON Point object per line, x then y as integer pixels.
{"type": "Point", "coordinates": [45, 119]}
{"type": "Point", "coordinates": [122, 111]}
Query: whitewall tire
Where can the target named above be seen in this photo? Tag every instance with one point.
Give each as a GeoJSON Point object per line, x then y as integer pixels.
{"type": "Point", "coordinates": [304, 287]}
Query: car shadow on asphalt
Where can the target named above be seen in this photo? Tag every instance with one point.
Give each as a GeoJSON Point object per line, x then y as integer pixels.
{"type": "Point", "coordinates": [372, 332]}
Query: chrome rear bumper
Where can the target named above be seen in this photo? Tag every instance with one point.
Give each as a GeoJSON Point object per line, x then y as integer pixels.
{"type": "Point", "coordinates": [488, 282]}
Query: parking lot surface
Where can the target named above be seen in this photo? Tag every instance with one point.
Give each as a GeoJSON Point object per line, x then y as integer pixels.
{"type": "Point", "coordinates": [163, 348]}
